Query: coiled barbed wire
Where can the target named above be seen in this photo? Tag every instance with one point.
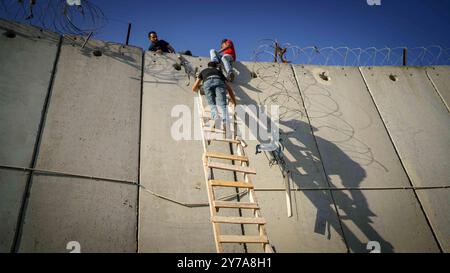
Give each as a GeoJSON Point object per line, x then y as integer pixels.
{"type": "Point", "coordinates": [61, 16]}
{"type": "Point", "coordinates": [346, 56]}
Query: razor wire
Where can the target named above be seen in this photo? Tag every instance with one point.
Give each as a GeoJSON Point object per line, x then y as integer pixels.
{"type": "Point", "coordinates": [81, 17]}
{"type": "Point", "coordinates": [77, 17]}
{"type": "Point", "coordinates": [266, 50]}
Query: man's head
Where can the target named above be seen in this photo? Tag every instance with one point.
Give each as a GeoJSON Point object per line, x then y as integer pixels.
{"type": "Point", "coordinates": [223, 44]}
{"type": "Point", "coordinates": [212, 64]}
{"type": "Point", "coordinates": [152, 36]}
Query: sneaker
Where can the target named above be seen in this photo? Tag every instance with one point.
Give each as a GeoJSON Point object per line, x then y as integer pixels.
{"type": "Point", "coordinates": [177, 66]}
{"type": "Point", "coordinates": [230, 77]}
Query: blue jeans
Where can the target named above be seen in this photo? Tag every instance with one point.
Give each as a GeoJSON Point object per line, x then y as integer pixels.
{"type": "Point", "coordinates": [216, 94]}
{"type": "Point", "coordinates": [226, 60]}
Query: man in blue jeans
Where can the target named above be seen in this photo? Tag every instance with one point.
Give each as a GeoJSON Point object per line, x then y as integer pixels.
{"type": "Point", "coordinates": [215, 86]}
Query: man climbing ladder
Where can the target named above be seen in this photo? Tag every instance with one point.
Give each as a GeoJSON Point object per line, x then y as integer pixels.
{"type": "Point", "coordinates": [211, 135]}
{"type": "Point", "coordinates": [212, 161]}
{"type": "Point", "coordinates": [215, 86]}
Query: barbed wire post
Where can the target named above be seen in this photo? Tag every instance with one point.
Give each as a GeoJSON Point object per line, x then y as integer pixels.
{"type": "Point", "coordinates": [275, 53]}
{"type": "Point", "coordinates": [128, 33]}
{"type": "Point", "coordinates": [404, 56]}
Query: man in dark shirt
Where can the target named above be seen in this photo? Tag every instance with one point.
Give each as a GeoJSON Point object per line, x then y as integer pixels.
{"type": "Point", "coordinates": [215, 86]}
{"type": "Point", "coordinates": [159, 45]}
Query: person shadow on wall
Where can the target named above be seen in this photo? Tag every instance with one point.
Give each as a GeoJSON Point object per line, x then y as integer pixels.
{"type": "Point", "coordinates": [305, 166]}
{"type": "Point", "coordinates": [352, 204]}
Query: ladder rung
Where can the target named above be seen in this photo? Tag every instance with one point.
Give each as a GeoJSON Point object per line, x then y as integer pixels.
{"type": "Point", "coordinates": [238, 220]}
{"type": "Point", "coordinates": [213, 130]}
{"type": "Point", "coordinates": [208, 117]}
{"type": "Point", "coordinates": [224, 140]}
{"type": "Point", "coordinates": [226, 156]}
{"type": "Point", "coordinates": [235, 205]}
{"type": "Point", "coordinates": [231, 184]}
{"type": "Point", "coordinates": [243, 239]}
{"type": "Point", "coordinates": [235, 168]}
{"type": "Point", "coordinates": [212, 135]}
{"type": "Point", "coordinates": [208, 120]}
{"type": "Point", "coordinates": [207, 108]}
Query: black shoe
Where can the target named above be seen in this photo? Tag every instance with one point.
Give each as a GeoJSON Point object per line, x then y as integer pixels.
{"type": "Point", "coordinates": [177, 66]}
{"type": "Point", "coordinates": [230, 77]}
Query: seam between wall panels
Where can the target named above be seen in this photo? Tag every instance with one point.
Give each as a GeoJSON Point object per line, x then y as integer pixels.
{"type": "Point", "coordinates": [320, 157]}
{"type": "Point", "coordinates": [437, 90]}
{"type": "Point", "coordinates": [139, 156]}
{"type": "Point", "coordinates": [25, 198]}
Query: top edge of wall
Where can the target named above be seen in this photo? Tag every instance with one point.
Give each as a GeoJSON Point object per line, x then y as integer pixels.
{"type": "Point", "coordinates": [28, 31]}
{"type": "Point", "coordinates": [80, 40]}
{"type": "Point", "coordinates": [35, 32]}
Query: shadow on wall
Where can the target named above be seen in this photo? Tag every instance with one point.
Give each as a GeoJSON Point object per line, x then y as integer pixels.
{"type": "Point", "coordinates": [128, 55]}
{"type": "Point", "coordinates": [161, 69]}
{"type": "Point", "coordinates": [305, 165]}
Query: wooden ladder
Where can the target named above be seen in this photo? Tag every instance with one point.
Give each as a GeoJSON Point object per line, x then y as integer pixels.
{"type": "Point", "coordinates": [209, 135]}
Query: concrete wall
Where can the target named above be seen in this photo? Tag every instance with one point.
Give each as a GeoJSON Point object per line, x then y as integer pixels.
{"type": "Point", "coordinates": [169, 166]}
{"type": "Point", "coordinates": [418, 122]}
{"type": "Point", "coordinates": [314, 226]}
{"type": "Point", "coordinates": [92, 128]}
{"type": "Point", "coordinates": [27, 62]}
{"type": "Point", "coordinates": [351, 127]}
{"type": "Point", "coordinates": [440, 78]}
{"type": "Point", "coordinates": [356, 151]}
{"type": "Point", "coordinates": [165, 226]}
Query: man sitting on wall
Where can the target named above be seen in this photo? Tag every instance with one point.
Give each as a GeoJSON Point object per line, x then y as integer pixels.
{"type": "Point", "coordinates": [159, 45]}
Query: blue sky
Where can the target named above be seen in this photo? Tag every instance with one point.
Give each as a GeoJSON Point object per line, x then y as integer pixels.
{"type": "Point", "coordinates": [199, 25]}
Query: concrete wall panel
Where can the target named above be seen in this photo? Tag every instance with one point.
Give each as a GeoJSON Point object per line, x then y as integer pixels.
{"type": "Point", "coordinates": [436, 204]}
{"type": "Point", "coordinates": [356, 152]}
{"type": "Point", "coordinates": [313, 226]}
{"type": "Point", "coordinates": [12, 187]}
{"type": "Point", "coordinates": [92, 128]}
{"type": "Point", "coordinates": [392, 217]}
{"type": "Point", "coordinates": [26, 67]}
{"type": "Point", "coordinates": [313, 211]}
{"type": "Point", "coordinates": [416, 119]}
{"type": "Point", "coordinates": [419, 125]}
{"type": "Point", "coordinates": [173, 167]}
{"type": "Point", "coordinates": [94, 111]}
{"type": "Point", "coordinates": [100, 215]}
{"type": "Point", "coordinates": [353, 142]}
{"type": "Point", "coordinates": [440, 78]}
